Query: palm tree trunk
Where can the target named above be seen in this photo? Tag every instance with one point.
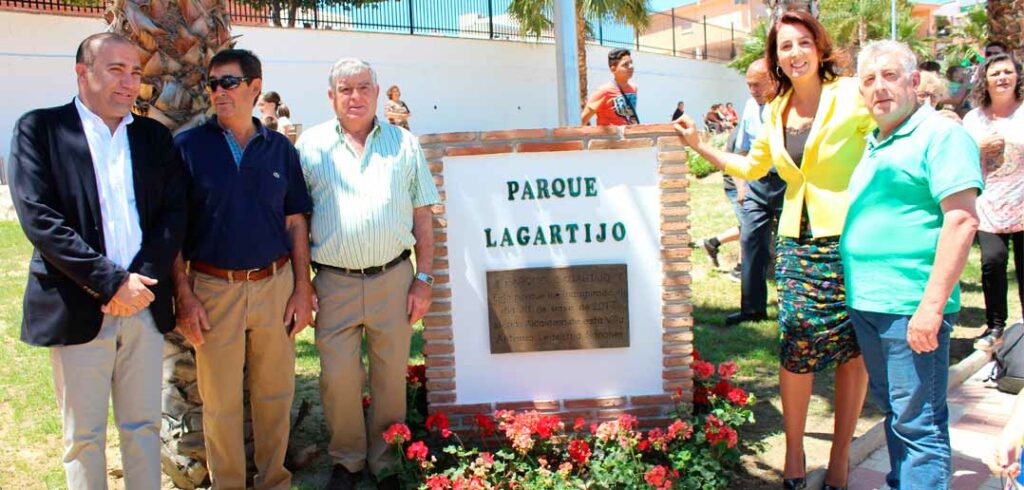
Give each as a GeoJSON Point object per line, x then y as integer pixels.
{"type": "Point", "coordinates": [177, 39]}
{"type": "Point", "coordinates": [581, 52]}
{"type": "Point", "coordinates": [1006, 24]}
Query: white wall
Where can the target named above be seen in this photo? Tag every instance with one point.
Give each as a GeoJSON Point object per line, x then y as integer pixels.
{"type": "Point", "coordinates": [450, 84]}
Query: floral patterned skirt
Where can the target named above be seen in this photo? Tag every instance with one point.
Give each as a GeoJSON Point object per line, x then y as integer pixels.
{"type": "Point", "coordinates": [814, 330]}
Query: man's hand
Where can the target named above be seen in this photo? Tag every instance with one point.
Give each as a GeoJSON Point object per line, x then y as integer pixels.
{"type": "Point", "coordinates": [687, 129]}
{"type": "Point", "coordinates": [923, 331]}
{"type": "Point", "coordinates": [132, 297]}
{"type": "Point", "coordinates": [419, 300]}
{"type": "Point", "coordinates": [191, 319]}
{"type": "Point", "coordinates": [1003, 461]}
{"type": "Point", "coordinates": [301, 306]}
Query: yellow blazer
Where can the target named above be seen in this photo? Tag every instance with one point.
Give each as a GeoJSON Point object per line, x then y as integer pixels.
{"type": "Point", "coordinates": [834, 147]}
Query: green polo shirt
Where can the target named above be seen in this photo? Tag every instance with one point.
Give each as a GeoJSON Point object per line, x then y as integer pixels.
{"type": "Point", "coordinates": [363, 203]}
{"type": "Point", "coordinates": [892, 228]}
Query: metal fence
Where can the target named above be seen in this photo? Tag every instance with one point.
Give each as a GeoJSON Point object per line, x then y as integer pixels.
{"type": "Point", "coordinates": [668, 33]}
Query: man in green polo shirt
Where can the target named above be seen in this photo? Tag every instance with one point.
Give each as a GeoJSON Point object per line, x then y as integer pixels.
{"type": "Point", "coordinates": [908, 232]}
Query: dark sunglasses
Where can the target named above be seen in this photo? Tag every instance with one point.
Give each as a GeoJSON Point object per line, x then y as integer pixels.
{"type": "Point", "coordinates": [226, 82]}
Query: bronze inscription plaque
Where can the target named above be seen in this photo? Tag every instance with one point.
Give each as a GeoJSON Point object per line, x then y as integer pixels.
{"type": "Point", "coordinates": [563, 308]}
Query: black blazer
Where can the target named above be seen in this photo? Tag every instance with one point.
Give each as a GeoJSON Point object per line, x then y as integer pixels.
{"type": "Point", "coordinates": [54, 189]}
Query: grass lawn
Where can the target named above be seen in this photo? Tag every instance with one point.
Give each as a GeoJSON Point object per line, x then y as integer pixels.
{"type": "Point", "coordinates": [30, 428]}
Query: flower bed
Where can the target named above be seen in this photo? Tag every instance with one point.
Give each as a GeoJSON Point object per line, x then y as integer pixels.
{"type": "Point", "coordinates": [532, 450]}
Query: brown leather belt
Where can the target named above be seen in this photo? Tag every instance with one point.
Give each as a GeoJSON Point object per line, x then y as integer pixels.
{"type": "Point", "coordinates": [241, 275]}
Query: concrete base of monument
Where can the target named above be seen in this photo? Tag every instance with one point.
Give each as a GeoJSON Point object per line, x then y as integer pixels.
{"type": "Point", "coordinates": [874, 438]}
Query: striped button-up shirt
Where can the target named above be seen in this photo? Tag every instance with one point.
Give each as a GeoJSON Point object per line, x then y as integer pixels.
{"type": "Point", "coordinates": [363, 204]}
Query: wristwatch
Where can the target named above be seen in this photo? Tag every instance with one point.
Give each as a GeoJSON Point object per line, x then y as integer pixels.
{"type": "Point", "coordinates": [427, 278]}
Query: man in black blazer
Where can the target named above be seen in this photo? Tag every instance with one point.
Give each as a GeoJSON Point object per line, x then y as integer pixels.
{"type": "Point", "coordinates": [101, 196]}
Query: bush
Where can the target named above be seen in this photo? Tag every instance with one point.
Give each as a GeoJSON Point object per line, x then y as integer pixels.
{"type": "Point", "coordinates": [534, 451]}
{"type": "Point", "coordinates": [699, 167]}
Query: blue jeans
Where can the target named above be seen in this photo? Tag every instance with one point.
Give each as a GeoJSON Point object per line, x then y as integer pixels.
{"type": "Point", "coordinates": [911, 389]}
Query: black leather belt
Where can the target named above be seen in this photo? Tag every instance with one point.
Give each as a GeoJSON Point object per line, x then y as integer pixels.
{"type": "Point", "coordinates": [369, 271]}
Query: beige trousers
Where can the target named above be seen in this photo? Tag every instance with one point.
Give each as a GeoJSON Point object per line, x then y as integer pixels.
{"type": "Point", "coordinates": [349, 306]}
{"type": "Point", "coordinates": [247, 332]}
{"type": "Point", "coordinates": [123, 362]}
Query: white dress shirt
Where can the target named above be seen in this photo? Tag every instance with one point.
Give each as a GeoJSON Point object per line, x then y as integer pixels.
{"type": "Point", "coordinates": [112, 162]}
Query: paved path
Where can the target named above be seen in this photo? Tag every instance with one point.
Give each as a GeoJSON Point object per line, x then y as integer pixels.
{"type": "Point", "coordinates": [978, 412]}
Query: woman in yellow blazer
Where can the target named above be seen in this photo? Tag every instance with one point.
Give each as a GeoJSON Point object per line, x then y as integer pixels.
{"type": "Point", "coordinates": [814, 135]}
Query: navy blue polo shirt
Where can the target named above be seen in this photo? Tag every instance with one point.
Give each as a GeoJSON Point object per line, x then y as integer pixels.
{"type": "Point", "coordinates": [237, 211]}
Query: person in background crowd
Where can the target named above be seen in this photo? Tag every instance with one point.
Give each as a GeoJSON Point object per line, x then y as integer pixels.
{"type": "Point", "coordinates": [997, 124]}
{"type": "Point", "coordinates": [395, 109]}
{"type": "Point", "coordinates": [909, 229]}
{"type": "Point", "coordinates": [815, 332]}
{"type": "Point", "coordinates": [680, 110]}
{"type": "Point", "coordinates": [99, 292]}
{"type": "Point", "coordinates": [932, 90]}
{"type": "Point", "coordinates": [245, 291]}
{"type": "Point", "coordinates": [270, 122]}
{"type": "Point", "coordinates": [267, 104]}
{"type": "Point", "coordinates": [993, 48]}
{"type": "Point", "coordinates": [958, 80]}
{"type": "Point", "coordinates": [284, 119]}
{"type": "Point", "coordinates": [614, 103]}
{"type": "Point", "coordinates": [931, 66]}
{"type": "Point", "coordinates": [372, 202]}
{"type": "Point", "coordinates": [713, 121]}
{"type": "Point", "coordinates": [1005, 458]}
{"type": "Point", "coordinates": [730, 114]}
{"type": "Point", "coordinates": [761, 207]}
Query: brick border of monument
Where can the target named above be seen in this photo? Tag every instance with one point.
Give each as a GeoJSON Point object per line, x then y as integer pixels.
{"type": "Point", "coordinates": [677, 309]}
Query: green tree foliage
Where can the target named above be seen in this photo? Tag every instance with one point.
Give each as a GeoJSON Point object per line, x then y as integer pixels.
{"type": "Point", "coordinates": [534, 18]}
{"type": "Point", "coordinates": [967, 36]}
{"type": "Point", "coordinates": [753, 48]}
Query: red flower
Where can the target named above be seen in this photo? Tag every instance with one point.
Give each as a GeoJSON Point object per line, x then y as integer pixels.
{"type": "Point", "coordinates": [703, 369]}
{"type": "Point", "coordinates": [657, 477]}
{"type": "Point", "coordinates": [696, 355]}
{"type": "Point", "coordinates": [579, 451]}
{"type": "Point", "coordinates": [397, 434]}
{"type": "Point", "coordinates": [716, 432]}
{"type": "Point", "coordinates": [366, 401]}
{"type": "Point", "coordinates": [700, 395]}
{"type": "Point", "coordinates": [578, 424]}
{"type": "Point", "coordinates": [643, 445]}
{"type": "Point", "coordinates": [722, 389]}
{"type": "Point", "coordinates": [679, 428]}
{"type": "Point", "coordinates": [416, 373]}
{"type": "Point", "coordinates": [485, 424]}
{"type": "Point", "coordinates": [439, 421]}
{"type": "Point", "coordinates": [417, 451]}
{"type": "Point", "coordinates": [438, 482]}
{"type": "Point", "coordinates": [738, 396]}
{"type": "Point", "coordinates": [727, 369]}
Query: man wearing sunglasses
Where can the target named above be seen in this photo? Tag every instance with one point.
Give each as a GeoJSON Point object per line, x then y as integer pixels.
{"type": "Point", "coordinates": [242, 283]}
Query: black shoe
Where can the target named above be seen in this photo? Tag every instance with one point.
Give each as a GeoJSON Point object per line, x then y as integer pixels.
{"type": "Point", "coordinates": [712, 251]}
{"type": "Point", "coordinates": [796, 483]}
{"type": "Point", "coordinates": [343, 479]}
{"type": "Point", "coordinates": [738, 318]}
{"type": "Point", "coordinates": [830, 487]}
{"type": "Point", "coordinates": [389, 483]}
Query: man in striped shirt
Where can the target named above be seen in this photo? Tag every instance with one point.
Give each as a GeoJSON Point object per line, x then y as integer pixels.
{"type": "Point", "coordinates": [372, 196]}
